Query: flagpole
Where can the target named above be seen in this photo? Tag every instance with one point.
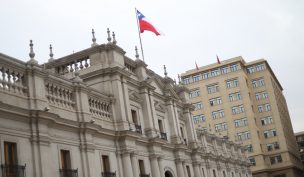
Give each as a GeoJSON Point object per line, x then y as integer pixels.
{"type": "Point", "coordinates": [141, 47]}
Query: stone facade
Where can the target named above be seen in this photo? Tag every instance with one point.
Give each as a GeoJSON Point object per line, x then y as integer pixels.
{"type": "Point", "coordinates": [99, 113]}
{"type": "Point", "coordinates": [244, 102]}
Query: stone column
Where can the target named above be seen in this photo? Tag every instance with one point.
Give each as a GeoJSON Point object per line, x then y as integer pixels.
{"type": "Point", "coordinates": [135, 165]}
{"type": "Point", "coordinates": [127, 167]}
{"type": "Point", "coordinates": [154, 166]}
{"type": "Point", "coordinates": [179, 168]}
{"type": "Point", "coordinates": [161, 167]}
{"type": "Point", "coordinates": [196, 169]}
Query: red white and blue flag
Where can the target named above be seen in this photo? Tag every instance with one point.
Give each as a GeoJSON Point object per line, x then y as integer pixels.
{"type": "Point", "coordinates": [144, 24]}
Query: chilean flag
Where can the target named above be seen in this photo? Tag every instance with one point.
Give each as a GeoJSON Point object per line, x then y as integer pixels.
{"type": "Point", "coordinates": [144, 24]}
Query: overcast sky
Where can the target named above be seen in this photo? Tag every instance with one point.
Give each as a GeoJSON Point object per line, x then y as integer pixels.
{"type": "Point", "coordinates": [195, 30]}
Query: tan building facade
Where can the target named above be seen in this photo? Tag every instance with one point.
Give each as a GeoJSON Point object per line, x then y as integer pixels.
{"type": "Point", "coordinates": [99, 113]}
{"type": "Point", "coordinates": [300, 140]}
{"type": "Point", "coordinates": [244, 102]}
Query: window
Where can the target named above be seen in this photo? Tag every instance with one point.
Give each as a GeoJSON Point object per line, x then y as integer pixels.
{"type": "Point", "coordinates": [205, 75]}
{"type": "Point", "coordinates": [188, 170]}
{"type": "Point", "coordinates": [214, 73]}
{"type": "Point", "coordinates": [160, 126]}
{"type": "Point", "coordinates": [258, 82]}
{"type": "Point", "coordinates": [198, 106]}
{"type": "Point", "coordinates": [234, 96]}
{"type": "Point", "coordinates": [270, 133]}
{"type": "Point", "coordinates": [10, 153]}
{"type": "Point", "coordinates": [105, 163]}
{"type": "Point", "coordinates": [260, 108]}
{"type": "Point", "coordinates": [257, 96]}
{"type": "Point", "coordinates": [196, 78]}
{"type": "Point", "coordinates": [194, 93]}
{"type": "Point", "coordinates": [250, 70]}
{"type": "Point", "coordinates": [186, 81]}
{"type": "Point", "coordinates": [218, 114]}
{"type": "Point", "coordinates": [214, 173]}
{"type": "Point", "coordinates": [215, 101]}
{"type": "Point", "coordinates": [233, 67]}
{"type": "Point", "coordinates": [264, 95]}
{"type": "Point", "coordinates": [65, 159]}
{"type": "Point", "coordinates": [224, 70]}
{"type": "Point", "coordinates": [238, 109]}
{"type": "Point", "coordinates": [267, 107]}
{"type": "Point", "coordinates": [241, 122]}
{"type": "Point", "coordinates": [221, 127]}
{"type": "Point", "coordinates": [141, 167]}
{"type": "Point", "coordinates": [199, 118]}
{"type": "Point", "coordinates": [243, 136]}
{"type": "Point", "coordinates": [252, 161]}
{"type": "Point", "coordinates": [267, 120]}
{"type": "Point", "coordinates": [250, 148]}
{"type": "Point", "coordinates": [232, 83]}
{"type": "Point", "coordinates": [260, 67]}
{"type": "Point", "coordinates": [261, 95]}
{"type": "Point", "coordinates": [275, 159]}
{"type": "Point", "coordinates": [134, 117]}
{"type": "Point", "coordinates": [273, 146]}
{"type": "Point", "coordinates": [224, 174]}
{"type": "Point", "coordinates": [212, 88]}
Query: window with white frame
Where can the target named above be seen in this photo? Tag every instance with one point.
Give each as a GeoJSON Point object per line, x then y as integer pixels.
{"type": "Point", "coordinates": [215, 101]}
{"type": "Point", "coordinates": [232, 83]}
{"type": "Point", "coordinates": [233, 67]}
{"type": "Point", "coordinates": [272, 146]}
{"type": "Point", "coordinates": [264, 107]}
{"type": "Point", "coordinates": [243, 135]}
{"type": "Point", "coordinates": [225, 70]}
{"type": "Point", "coordinates": [267, 120]}
{"type": "Point", "coordinates": [212, 88]}
{"type": "Point", "coordinates": [234, 96]}
{"type": "Point", "coordinates": [238, 109]}
{"type": "Point", "coordinates": [218, 114]}
{"type": "Point", "coordinates": [258, 82]}
{"type": "Point", "coordinates": [221, 127]}
{"type": "Point", "coordinates": [205, 75]}
{"type": "Point", "coordinates": [249, 148]}
{"type": "Point", "coordinates": [275, 159]}
{"type": "Point", "coordinates": [186, 81]}
{"type": "Point", "coordinates": [198, 105]}
{"type": "Point", "coordinates": [241, 122]}
{"type": "Point", "coordinates": [260, 67]}
{"type": "Point", "coordinates": [196, 78]}
{"type": "Point", "coordinates": [250, 69]}
{"type": "Point", "coordinates": [261, 95]}
{"type": "Point", "coordinates": [215, 72]}
{"type": "Point", "coordinates": [270, 133]}
{"type": "Point", "coordinates": [194, 93]}
{"type": "Point", "coordinates": [199, 118]}
{"type": "Point", "coordinates": [252, 161]}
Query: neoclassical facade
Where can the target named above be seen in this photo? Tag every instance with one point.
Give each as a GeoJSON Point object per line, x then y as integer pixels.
{"type": "Point", "coordinates": [99, 113]}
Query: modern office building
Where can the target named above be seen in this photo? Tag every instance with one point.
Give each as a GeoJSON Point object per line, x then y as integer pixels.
{"type": "Point", "coordinates": [300, 140]}
{"type": "Point", "coordinates": [99, 113]}
{"type": "Point", "coordinates": [244, 102]}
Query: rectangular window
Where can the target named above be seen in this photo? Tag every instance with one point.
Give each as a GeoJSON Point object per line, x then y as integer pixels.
{"type": "Point", "coordinates": [241, 122]}
{"type": "Point", "coordinates": [275, 159]}
{"type": "Point", "coordinates": [224, 70]}
{"type": "Point", "coordinates": [214, 73]}
{"type": "Point", "coordinates": [212, 88]}
{"type": "Point", "coordinates": [252, 161]}
{"type": "Point", "coordinates": [160, 126]}
{"type": "Point", "coordinates": [198, 106]}
{"type": "Point", "coordinates": [260, 108]}
{"type": "Point", "coordinates": [199, 118]}
{"type": "Point", "coordinates": [215, 101]}
{"type": "Point", "coordinates": [250, 70]}
{"type": "Point", "coordinates": [205, 75]}
{"type": "Point", "coordinates": [234, 96]}
{"type": "Point", "coordinates": [260, 67]}
{"type": "Point", "coordinates": [196, 78]}
{"type": "Point", "coordinates": [244, 135]}
{"type": "Point", "coordinates": [65, 159]}
{"type": "Point", "coordinates": [233, 67]}
{"type": "Point", "coordinates": [134, 117]}
{"type": "Point", "coordinates": [105, 163]}
{"type": "Point", "coordinates": [188, 170]}
{"type": "Point", "coordinates": [250, 148]}
{"type": "Point", "coordinates": [141, 167]}
{"type": "Point", "coordinates": [232, 83]}
{"type": "Point", "coordinates": [266, 120]}
{"type": "Point", "coordinates": [238, 109]}
{"type": "Point", "coordinates": [221, 127]}
{"type": "Point", "coordinates": [267, 107]}
{"type": "Point", "coordinates": [270, 133]}
{"type": "Point", "coordinates": [186, 81]}
{"type": "Point", "coordinates": [258, 82]}
{"type": "Point", "coordinates": [10, 153]}
{"type": "Point", "coordinates": [194, 93]}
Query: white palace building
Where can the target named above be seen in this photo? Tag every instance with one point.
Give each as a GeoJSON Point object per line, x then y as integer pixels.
{"type": "Point", "coordinates": [99, 113]}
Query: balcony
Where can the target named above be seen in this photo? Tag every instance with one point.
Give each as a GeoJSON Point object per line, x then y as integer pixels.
{"type": "Point", "coordinates": [68, 172]}
{"type": "Point", "coordinates": [138, 129]}
{"type": "Point", "coordinates": [13, 170]}
{"type": "Point", "coordinates": [144, 175]}
{"type": "Point", "coordinates": [163, 136]}
{"type": "Point", "coordinates": [108, 174]}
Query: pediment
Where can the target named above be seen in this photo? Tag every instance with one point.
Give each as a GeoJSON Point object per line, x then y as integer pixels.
{"type": "Point", "coordinates": [134, 96]}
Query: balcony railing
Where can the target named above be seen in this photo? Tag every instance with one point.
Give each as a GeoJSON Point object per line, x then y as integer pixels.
{"type": "Point", "coordinates": [13, 170]}
{"type": "Point", "coordinates": [108, 174]}
{"type": "Point", "coordinates": [163, 136]}
{"type": "Point", "coordinates": [144, 175]}
{"type": "Point", "coordinates": [138, 129]}
{"type": "Point", "coordinates": [68, 172]}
